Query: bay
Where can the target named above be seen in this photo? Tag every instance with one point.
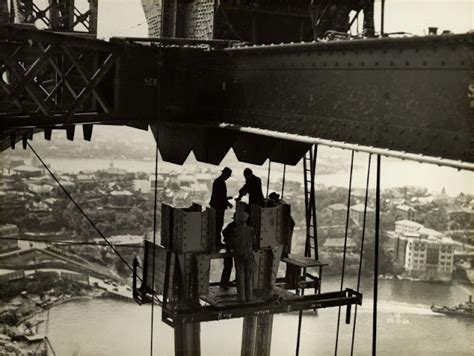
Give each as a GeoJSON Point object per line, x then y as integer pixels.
{"type": "Point", "coordinates": [406, 326]}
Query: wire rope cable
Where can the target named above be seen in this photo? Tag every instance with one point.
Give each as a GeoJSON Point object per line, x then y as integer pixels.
{"type": "Point", "coordinates": [79, 208]}
{"type": "Point", "coordinates": [361, 250]}
{"type": "Point", "coordinates": [283, 182]}
{"type": "Point", "coordinates": [376, 258]}
{"type": "Point", "coordinates": [345, 249]}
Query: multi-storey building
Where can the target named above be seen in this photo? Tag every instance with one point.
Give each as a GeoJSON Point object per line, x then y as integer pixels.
{"type": "Point", "coordinates": [424, 253]}
{"type": "Point", "coordinates": [8, 238]}
{"type": "Point", "coordinates": [357, 214]}
{"type": "Point", "coordinates": [407, 226]}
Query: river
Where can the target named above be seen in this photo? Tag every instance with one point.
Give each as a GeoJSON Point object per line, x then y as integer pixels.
{"type": "Point", "coordinates": [406, 326]}
{"type": "Point", "coordinates": [395, 172]}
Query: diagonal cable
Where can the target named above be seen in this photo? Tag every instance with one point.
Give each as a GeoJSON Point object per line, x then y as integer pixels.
{"type": "Point", "coordinates": [79, 208]}
{"type": "Point", "coordinates": [361, 250]}
{"type": "Point", "coordinates": [345, 248]}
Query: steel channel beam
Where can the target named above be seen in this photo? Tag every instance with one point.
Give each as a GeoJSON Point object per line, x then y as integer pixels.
{"type": "Point", "coordinates": [319, 301]}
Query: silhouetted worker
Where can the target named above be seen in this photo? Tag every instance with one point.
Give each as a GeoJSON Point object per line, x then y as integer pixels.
{"type": "Point", "coordinates": [240, 240]}
{"type": "Point", "coordinates": [274, 201]}
{"type": "Point", "coordinates": [220, 202]}
{"type": "Point", "coordinates": [252, 187]}
{"type": "Point", "coordinates": [330, 15]}
{"type": "Point", "coordinates": [227, 270]}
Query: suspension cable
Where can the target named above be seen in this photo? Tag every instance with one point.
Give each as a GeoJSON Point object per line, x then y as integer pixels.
{"type": "Point", "coordinates": [376, 259]}
{"type": "Point", "coordinates": [79, 208]}
{"type": "Point", "coordinates": [361, 250]}
{"type": "Point", "coordinates": [382, 19]}
{"type": "Point", "coordinates": [283, 182]}
{"type": "Point", "coordinates": [309, 207]}
{"type": "Point", "coordinates": [345, 248]}
{"type": "Point", "coordinates": [268, 176]}
{"type": "Point", "coordinates": [154, 249]}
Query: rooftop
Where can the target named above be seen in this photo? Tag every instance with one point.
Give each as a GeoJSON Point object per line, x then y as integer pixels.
{"type": "Point", "coordinates": [337, 206]}
{"type": "Point", "coordinates": [361, 208]}
{"type": "Point", "coordinates": [404, 207]}
{"type": "Point", "coordinates": [339, 242]}
{"type": "Point", "coordinates": [26, 168]}
{"type": "Point", "coordinates": [409, 223]}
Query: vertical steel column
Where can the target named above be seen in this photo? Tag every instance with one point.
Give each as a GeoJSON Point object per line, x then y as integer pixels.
{"type": "Point", "coordinates": [4, 15]}
{"type": "Point", "coordinates": [187, 339]}
{"type": "Point", "coordinates": [93, 5]}
{"type": "Point", "coordinates": [170, 9]}
{"type": "Point", "coordinates": [249, 333]}
{"type": "Point", "coordinates": [257, 335]}
{"type": "Point", "coordinates": [376, 259]}
{"type": "Point", "coordinates": [263, 340]}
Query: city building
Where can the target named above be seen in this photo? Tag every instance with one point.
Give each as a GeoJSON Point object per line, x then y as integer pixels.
{"type": "Point", "coordinates": [8, 234]}
{"type": "Point", "coordinates": [405, 211]}
{"type": "Point", "coordinates": [40, 188]}
{"type": "Point", "coordinates": [357, 214]}
{"type": "Point", "coordinates": [407, 226]}
{"type": "Point", "coordinates": [86, 180]}
{"type": "Point", "coordinates": [338, 213]}
{"type": "Point", "coordinates": [121, 198]}
{"type": "Point", "coordinates": [336, 245]}
{"type": "Point", "coordinates": [25, 171]}
{"type": "Point", "coordinates": [424, 253]}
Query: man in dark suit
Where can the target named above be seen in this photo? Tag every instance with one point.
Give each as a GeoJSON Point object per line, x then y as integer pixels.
{"type": "Point", "coordinates": [220, 202]}
{"type": "Point", "coordinates": [252, 187]}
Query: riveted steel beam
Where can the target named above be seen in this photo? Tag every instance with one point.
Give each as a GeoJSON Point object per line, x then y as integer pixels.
{"type": "Point", "coordinates": [407, 94]}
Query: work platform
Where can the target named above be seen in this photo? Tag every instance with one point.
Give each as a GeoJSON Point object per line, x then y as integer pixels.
{"type": "Point", "coordinates": [176, 273]}
{"type": "Point", "coordinates": [224, 305]}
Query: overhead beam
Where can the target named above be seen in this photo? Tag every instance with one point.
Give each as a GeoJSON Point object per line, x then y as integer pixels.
{"type": "Point", "coordinates": [408, 94]}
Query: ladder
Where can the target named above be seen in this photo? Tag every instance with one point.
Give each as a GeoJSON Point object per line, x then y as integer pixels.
{"type": "Point", "coordinates": [309, 170]}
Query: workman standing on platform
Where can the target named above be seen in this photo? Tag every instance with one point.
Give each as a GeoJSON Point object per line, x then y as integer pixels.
{"type": "Point", "coordinates": [220, 202]}
{"type": "Point", "coordinates": [240, 240]}
{"type": "Point", "coordinates": [252, 187]}
{"type": "Point", "coordinates": [334, 16]}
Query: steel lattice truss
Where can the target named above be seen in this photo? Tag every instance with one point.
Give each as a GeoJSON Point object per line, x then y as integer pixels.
{"type": "Point", "coordinates": [43, 78]}
{"type": "Point", "coordinates": [59, 15]}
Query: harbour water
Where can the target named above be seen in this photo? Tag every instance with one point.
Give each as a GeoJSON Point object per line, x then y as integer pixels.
{"type": "Point", "coordinates": [395, 172]}
{"type": "Point", "coordinates": [406, 326]}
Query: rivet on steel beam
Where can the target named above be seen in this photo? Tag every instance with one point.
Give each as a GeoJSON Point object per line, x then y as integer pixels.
{"type": "Point", "coordinates": [87, 132]}
{"type": "Point", "coordinates": [70, 133]}
{"type": "Point", "coordinates": [47, 134]}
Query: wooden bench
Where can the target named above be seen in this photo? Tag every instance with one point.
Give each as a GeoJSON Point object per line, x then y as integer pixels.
{"type": "Point", "coordinates": [296, 272]}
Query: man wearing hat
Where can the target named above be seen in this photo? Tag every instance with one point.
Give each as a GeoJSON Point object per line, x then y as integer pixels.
{"type": "Point", "coordinates": [240, 240]}
{"type": "Point", "coordinates": [220, 202]}
{"type": "Point", "coordinates": [252, 187]}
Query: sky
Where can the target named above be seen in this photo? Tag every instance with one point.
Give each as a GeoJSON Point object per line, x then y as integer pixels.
{"type": "Point", "coordinates": [126, 18]}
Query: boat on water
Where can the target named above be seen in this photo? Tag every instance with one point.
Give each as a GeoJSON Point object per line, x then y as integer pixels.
{"type": "Point", "coordinates": [465, 309]}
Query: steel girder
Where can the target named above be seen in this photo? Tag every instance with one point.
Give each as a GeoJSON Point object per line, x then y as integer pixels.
{"type": "Point", "coordinates": [58, 15]}
{"type": "Point", "coordinates": [408, 94]}
{"type": "Point", "coordinates": [53, 81]}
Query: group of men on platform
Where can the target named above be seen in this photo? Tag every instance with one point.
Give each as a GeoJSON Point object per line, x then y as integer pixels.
{"type": "Point", "coordinates": [239, 238]}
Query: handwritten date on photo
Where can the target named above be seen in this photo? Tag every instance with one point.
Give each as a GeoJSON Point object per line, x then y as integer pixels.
{"type": "Point", "coordinates": [398, 319]}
